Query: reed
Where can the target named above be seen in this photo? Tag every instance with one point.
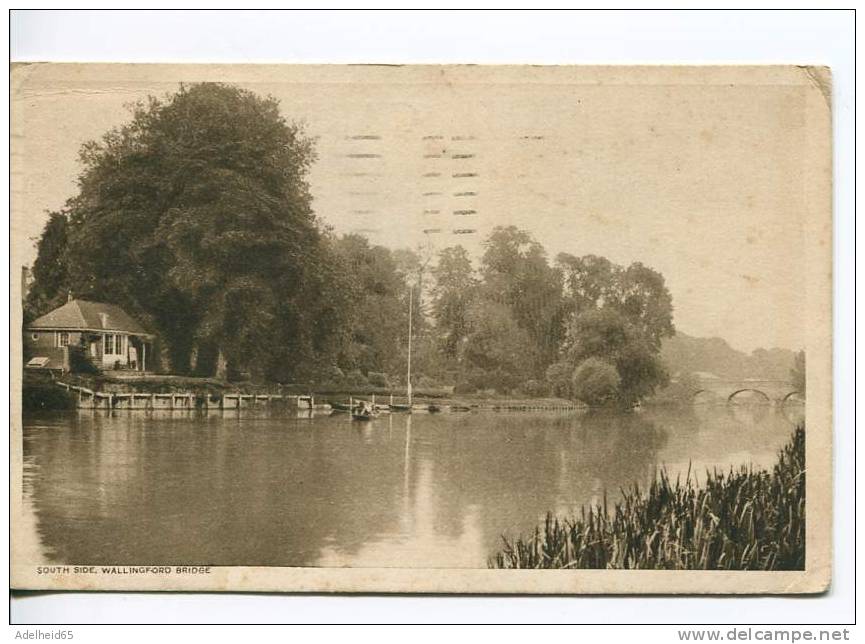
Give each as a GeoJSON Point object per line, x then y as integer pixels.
{"type": "Point", "coordinates": [741, 520]}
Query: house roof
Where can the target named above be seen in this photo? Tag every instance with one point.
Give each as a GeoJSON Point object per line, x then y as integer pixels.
{"type": "Point", "coordinates": [82, 315]}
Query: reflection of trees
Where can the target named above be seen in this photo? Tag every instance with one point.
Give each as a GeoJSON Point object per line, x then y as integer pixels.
{"type": "Point", "coordinates": [173, 489]}
{"type": "Point", "coordinates": [517, 467]}
{"type": "Point", "coordinates": [170, 489]}
{"type": "Point", "coordinates": [748, 415]}
{"type": "Point", "coordinates": [131, 488]}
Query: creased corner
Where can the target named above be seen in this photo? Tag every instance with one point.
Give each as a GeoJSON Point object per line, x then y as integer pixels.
{"type": "Point", "coordinates": [820, 76]}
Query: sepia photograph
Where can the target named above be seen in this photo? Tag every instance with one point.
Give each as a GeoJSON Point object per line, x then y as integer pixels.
{"type": "Point", "coordinates": [422, 328]}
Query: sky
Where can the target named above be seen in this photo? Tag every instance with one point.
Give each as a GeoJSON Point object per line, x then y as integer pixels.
{"type": "Point", "coordinates": [697, 174]}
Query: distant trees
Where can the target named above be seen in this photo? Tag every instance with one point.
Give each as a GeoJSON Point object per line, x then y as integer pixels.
{"type": "Point", "coordinates": [196, 217]}
{"type": "Point", "coordinates": [685, 354]}
{"type": "Point", "coordinates": [581, 328]}
{"type": "Point", "coordinates": [797, 372]}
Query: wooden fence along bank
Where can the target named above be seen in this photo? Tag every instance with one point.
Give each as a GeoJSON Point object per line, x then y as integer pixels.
{"type": "Point", "coordinates": [189, 401]}
{"type": "Point", "coordinates": [89, 399]}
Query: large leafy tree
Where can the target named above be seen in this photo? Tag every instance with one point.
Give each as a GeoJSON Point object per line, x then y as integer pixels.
{"type": "Point", "coordinates": [496, 345]}
{"type": "Point", "coordinates": [50, 270]}
{"type": "Point", "coordinates": [196, 215]}
{"type": "Point", "coordinates": [589, 281]}
{"type": "Point", "coordinates": [516, 274]}
{"type": "Point", "coordinates": [637, 292]}
{"type": "Point", "coordinates": [378, 307]}
{"type": "Point", "coordinates": [454, 292]}
{"type": "Point", "coordinates": [606, 335]}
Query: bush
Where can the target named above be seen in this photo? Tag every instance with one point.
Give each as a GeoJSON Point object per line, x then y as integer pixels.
{"type": "Point", "coordinates": [465, 387]}
{"type": "Point", "coordinates": [45, 396]}
{"type": "Point", "coordinates": [596, 382]}
{"type": "Point", "coordinates": [355, 378]}
{"type": "Point", "coordinates": [332, 374]}
{"type": "Point", "coordinates": [427, 382]}
{"type": "Point", "coordinates": [534, 389]}
{"type": "Point", "coordinates": [377, 379]}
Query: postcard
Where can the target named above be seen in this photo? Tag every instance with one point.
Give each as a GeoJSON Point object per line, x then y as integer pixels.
{"type": "Point", "coordinates": [421, 329]}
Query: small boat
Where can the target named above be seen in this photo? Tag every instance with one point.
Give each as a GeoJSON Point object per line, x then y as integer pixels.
{"type": "Point", "coordinates": [460, 408]}
{"type": "Point", "coordinates": [363, 411]}
{"type": "Point", "coordinates": [340, 407]}
{"type": "Point", "coordinates": [434, 409]}
{"type": "Point", "coordinates": [400, 408]}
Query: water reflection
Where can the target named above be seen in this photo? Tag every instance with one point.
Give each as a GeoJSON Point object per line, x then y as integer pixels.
{"type": "Point", "coordinates": [406, 491]}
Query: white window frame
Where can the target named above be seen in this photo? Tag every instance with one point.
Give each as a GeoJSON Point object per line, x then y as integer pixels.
{"type": "Point", "coordinates": [118, 344]}
{"type": "Point", "coordinates": [59, 337]}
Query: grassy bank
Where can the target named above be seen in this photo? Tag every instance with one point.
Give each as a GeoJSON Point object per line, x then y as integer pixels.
{"type": "Point", "coordinates": [742, 520]}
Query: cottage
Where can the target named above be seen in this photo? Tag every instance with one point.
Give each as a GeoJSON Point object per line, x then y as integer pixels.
{"type": "Point", "coordinates": [102, 333]}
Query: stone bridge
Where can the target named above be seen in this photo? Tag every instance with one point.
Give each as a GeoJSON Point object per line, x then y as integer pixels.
{"type": "Point", "coordinates": [772, 391]}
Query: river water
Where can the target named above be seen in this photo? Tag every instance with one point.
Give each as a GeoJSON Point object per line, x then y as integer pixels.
{"type": "Point", "coordinates": [400, 491]}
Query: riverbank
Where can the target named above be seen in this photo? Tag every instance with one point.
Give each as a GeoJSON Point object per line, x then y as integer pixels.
{"type": "Point", "coordinates": [41, 392]}
{"type": "Point", "coordinates": [741, 520]}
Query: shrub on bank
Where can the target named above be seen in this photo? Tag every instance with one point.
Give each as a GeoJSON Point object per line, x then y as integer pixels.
{"type": "Point", "coordinates": [534, 389]}
{"type": "Point", "coordinates": [39, 395]}
{"type": "Point", "coordinates": [743, 520]}
{"type": "Point", "coordinates": [377, 379]}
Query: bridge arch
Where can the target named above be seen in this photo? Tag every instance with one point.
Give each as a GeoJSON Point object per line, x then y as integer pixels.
{"type": "Point", "coordinates": [791, 394]}
{"type": "Point", "coordinates": [740, 391]}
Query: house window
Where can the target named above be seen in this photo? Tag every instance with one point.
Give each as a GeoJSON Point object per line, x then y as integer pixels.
{"type": "Point", "coordinates": [34, 336]}
{"type": "Point", "coordinates": [62, 339]}
{"type": "Point", "coordinates": [108, 344]}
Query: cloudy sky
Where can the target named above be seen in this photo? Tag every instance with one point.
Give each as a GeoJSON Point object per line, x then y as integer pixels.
{"type": "Point", "coordinates": [696, 173]}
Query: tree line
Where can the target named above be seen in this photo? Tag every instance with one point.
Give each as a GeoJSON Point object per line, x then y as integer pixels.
{"type": "Point", "coordinates": [196, 217]}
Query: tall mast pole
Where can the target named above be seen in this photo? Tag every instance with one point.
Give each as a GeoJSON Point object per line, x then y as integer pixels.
{"type": "Point", "coordinates": [408, 375]}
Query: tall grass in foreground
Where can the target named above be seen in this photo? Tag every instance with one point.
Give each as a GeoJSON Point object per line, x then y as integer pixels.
{"type": "Point", "coordinates": [743, 520]}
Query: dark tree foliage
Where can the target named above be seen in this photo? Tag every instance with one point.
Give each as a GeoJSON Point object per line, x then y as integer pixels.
{"type": "Point", "coordinates": [596, 382]}
{"type": "Point", "coordinates": [637, 292]}
{"type": "Point", "coordinates": [196, 217]}
{"type": "Point", "coordinates": [620, 316]}
{"type": "Point", "coordinates": [454, 293]}
{"type": "Point", "coordinates": [516, 273]}
{"type": "Point", "coordinates": [50, 270]}
{"type": "Point", "coordinates": [377, 303]}
{"type": "Point", "coordinates": [518, 320]}
{"type": "Point", "coordinates": [606, 334]}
